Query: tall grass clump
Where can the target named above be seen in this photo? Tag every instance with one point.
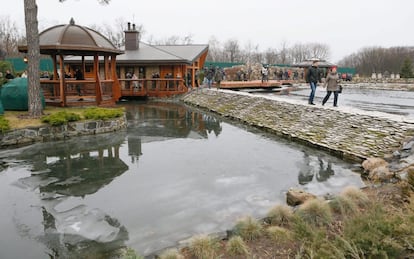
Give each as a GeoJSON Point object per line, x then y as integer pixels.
{"type": "Point", "coordinates": [359, 197]}
{"type": "Point", "coordinates": [280, 215]}
{"type": "Point", "coordinates": [375, 232]}
{"type": "Point", "coordinates": [410, 176]}
{"type": "Point", "coordinates": [96, 113]}
{"type": "Point", "coordinates": [60, 118]}
{"type": "Point", "coordinates": [237, 247]}
{"type": "Point", "coordinates": [171, 254]}
{"type": "Point", "coordinates": [315, 212]}
{"type": "Point", "coordinates": [4, 124]}
{"type": "Point", "coordinates": [204, 247]}
{"type": "Point", "coordinates": [343, 206]}
{"type": "Point", "coordinates": [248, 228]}
{"type": "Point", "coordinates": [279, 234]}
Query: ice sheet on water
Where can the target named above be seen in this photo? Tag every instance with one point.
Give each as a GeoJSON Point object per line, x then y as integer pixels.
{"type": "Point", "coordinates": [35, 181]}
{"type": "Point", "coordinates": [90, 224]}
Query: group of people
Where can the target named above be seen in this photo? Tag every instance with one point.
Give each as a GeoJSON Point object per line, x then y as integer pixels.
{"type": "Point", "coordinates": [331, 83]}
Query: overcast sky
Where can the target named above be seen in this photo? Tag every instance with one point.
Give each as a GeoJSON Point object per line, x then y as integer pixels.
{"type": "Point", "coordinates": [345, 26]}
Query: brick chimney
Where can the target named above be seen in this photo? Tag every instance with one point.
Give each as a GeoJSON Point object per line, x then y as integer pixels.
{"type": "Point", "coordinates": [131, 38]}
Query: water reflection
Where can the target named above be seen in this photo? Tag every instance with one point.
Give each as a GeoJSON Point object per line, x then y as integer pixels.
{"type": "Point", "coordinates": [79, 167]}
{"type": "Point", "coordinates": [314, 166]}
{"type": "Point", "coordinates": [175, 172]}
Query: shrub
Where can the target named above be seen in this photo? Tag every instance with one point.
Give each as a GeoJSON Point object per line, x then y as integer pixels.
{"type": "Point", "coordinates": [316, 212]}
{"type": "Point", "coordinates": [248, 228]}
{"type": "Point", "coordinates": [279, 234]}
{"type": "Point", "coordinates": [60, 118]}
{"type": "Point", "coordinates": [356, 195]}
{"type": "Point", "coordinates": [102, 113]}
{"type": "Point", "coordinates": [410, 176]}
{"type": "Point", "coordinates": [236, 247]}
{"type": "Point", "coordinates": [203, 247]}
{"type": "Point", "coordinates": [280, 215]}
{"type": "Point", "coordinates": [171, 254]}
{"type": "Point", "coordinates": [4, 124]}
{"type": "Point", "coordinates": [374, 232]}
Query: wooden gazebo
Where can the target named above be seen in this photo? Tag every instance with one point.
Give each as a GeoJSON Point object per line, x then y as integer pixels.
{"type": "Point", "coordinates": [62, 88]}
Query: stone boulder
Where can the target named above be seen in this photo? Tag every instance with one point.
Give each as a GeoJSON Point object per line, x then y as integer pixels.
{"type": "Point", "coordinates": [296, 197]}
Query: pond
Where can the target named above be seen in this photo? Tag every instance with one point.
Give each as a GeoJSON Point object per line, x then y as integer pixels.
{"type": "Point", "coordinates": [173, 173]}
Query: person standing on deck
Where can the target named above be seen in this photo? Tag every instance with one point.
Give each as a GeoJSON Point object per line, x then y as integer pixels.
{"type": "Point", "coordinates": [78, 76]}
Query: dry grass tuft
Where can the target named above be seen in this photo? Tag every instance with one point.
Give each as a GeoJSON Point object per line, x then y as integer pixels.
{"type": "Point", "coordinates": [315, 212]}
{"type": "Point", "coordinates": [171, 254]}
{"type": "Point", "coordinates": [248, 228]}
{"type": "Point", "coordinates": [280, 215]}
{"type": "Point", "coordinates": [204, 247]}
{"type": "Point", "coordinates": [237, 247]}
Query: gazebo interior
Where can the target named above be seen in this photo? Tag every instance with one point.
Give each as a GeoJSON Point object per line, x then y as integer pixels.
{"type": "Point", "coordinates": [74, 41]}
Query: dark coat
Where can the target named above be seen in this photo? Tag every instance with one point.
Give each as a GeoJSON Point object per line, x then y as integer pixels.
{"type": "Point", "coordinates": [313, 75]}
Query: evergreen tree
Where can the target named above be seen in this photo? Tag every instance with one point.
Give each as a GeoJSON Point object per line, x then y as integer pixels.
{"type": "Point", "coordinates": [407, 69]}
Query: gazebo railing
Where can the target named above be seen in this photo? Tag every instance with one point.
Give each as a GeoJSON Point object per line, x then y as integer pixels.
{"type": "Point", "coordinates": [152, 87]}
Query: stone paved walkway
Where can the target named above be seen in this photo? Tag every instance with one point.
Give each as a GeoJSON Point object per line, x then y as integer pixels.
{"type": "Point", "coordinates": [347, 132]}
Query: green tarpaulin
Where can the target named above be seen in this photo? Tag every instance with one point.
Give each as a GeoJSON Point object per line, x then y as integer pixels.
{"type": "Point", "coordinates": [14, 95]}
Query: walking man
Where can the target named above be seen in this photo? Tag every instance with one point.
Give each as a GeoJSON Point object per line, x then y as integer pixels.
{"type": "Point", "coordinates": [313, 77]}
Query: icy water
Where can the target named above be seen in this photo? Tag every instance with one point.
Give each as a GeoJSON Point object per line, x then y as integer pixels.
{"type": "Point", "coordinates": [175, 172]}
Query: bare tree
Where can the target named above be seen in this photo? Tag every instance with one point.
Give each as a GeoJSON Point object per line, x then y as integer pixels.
{"type": "Point", "coordinates": [232, 50]}
{"type": "Point", "coordinates": [10, 37]}
{"type": "Point", "coordinates": [284, 53]}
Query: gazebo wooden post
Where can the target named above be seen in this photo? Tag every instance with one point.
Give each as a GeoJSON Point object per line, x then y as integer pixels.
{"type": "Point", "coordinates": [116, 87]}
{"type": "Point", "coordinates": [106, 64]}
{"type": "Point", "coordinates": [62, 81]}
{"type": "Point", "coordinates": [55, 73]}
{"type": "Point", "coordinates": [98, 88]}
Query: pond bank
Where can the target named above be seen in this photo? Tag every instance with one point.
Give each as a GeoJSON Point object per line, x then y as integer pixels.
{"type": "Point", "coordinates": [349, 135]}
{"type": "Point", "coordinates": [32, 135]}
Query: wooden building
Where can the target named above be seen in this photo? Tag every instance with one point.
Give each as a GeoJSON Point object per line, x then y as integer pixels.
{"type": "Point", "coordinates": [154, 70]}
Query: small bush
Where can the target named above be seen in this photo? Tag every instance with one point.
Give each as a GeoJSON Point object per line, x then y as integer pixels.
{"type": "Point", "coordinates": [102, 113]}
{"type": "Point", "coordinates": [60, 118]}
{"type": "Point", "coordinates": [279, 234]}
{"type": "Point", "coordinates": [248, 228]}
{"type": "Point", "coordinates": [203, 247]}
{"type": "Point", "coordinates": [356, 195]}
{"type": "Point", "coordinates": [316, 212]}
{"type": "Point", "coordinates": [280, 215]}
{"type": "Point", "coordinates": [375, 233]}
{"type": "Point", "coordinates": [4, 124]}
{"type": "Point", "coordinates": [171, 254]}
{"type": "Point", "coordinates": [236, 247]}
{"type": "Point", "coordinates": [343, 206]}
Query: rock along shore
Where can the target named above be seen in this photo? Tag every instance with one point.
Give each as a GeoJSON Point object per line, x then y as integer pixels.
{"type": "Point", "coordinates": [347, 134]}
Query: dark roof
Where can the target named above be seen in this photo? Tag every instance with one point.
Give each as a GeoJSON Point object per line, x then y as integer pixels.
{"type": "Point", "coordinates": [72, 39]}
{"type": "Point", "coordinates": [308, 63]}
{"type": "Point", "coordinates": [162, 54]}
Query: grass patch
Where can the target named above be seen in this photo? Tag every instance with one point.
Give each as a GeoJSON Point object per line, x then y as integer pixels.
{"type": "Point", "coordinates": [60, 118]}
{"type": "Point", "coordinates": [356, 195]}
{"type": "Point", "coordinates": [248, 228]}
{"type": "Point", "coordinates": [279, 234]}
{"type": "Point", "coordinates": [280, 215]}
{"type": "Point", "coordinates": [4, 124]}
{"type": "Point", "coordinates": [237, 247]}
{"type": "Point", "coordinates": [343, 206]}
{"type": "Point", "coordinates": [171, 254]}
{"type": "Point", "coordinates": [315, 212]}
{"type": "Point", "coordinates": [204, 247]}
{"type": "Point", "coordinates": [102, 113]}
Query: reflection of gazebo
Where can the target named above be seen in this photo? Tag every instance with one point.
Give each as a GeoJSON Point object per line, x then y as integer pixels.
{"type": "Point", "coordinates": [73, 40]}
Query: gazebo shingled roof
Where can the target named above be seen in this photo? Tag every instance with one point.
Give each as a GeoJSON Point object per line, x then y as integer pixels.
{"type": "Point", "coordinates": [72, 39]}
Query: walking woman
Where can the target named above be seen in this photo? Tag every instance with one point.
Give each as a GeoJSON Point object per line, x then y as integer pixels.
{"type": "Point", "coordinates": [331, 83]}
